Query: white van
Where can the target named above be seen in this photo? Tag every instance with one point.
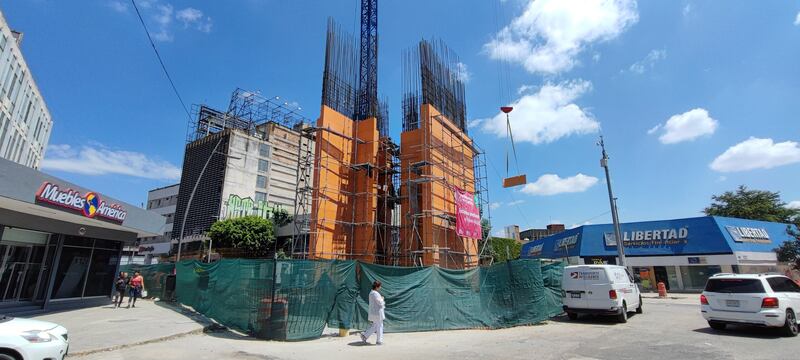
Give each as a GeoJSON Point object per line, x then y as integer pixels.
{"type": "Point", "coordinates": [600, 290]}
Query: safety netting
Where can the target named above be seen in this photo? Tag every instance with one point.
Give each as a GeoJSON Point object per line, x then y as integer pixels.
{"type": "Point", "coordinates": [155, 276]}
{"type": "Point", "coordinates": [297, 299]}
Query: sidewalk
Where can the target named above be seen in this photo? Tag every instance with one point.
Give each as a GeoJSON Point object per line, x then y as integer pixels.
{"type": "Point", "coordinates": [104, 328]}
{"type": "Point", "coordinates": [675, 298]}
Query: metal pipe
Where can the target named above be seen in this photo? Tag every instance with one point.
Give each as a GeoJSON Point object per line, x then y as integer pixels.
{"type": "Point", "coordinates": [613, 202]}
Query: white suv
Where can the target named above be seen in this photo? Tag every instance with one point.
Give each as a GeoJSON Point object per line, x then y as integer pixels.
{"type": "Point", "coordinates": [760, 300]}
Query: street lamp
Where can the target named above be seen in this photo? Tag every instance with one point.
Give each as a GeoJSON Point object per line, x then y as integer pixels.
{"type": "Point", "coordinates": [613, 201]}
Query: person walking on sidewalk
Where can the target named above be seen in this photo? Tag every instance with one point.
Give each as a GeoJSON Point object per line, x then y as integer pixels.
{"type": "Point", "coordinates": [120, 285]}
{"type": "Point", "coordinates": [135, 289]}
{"type": "Point", "coordinates": [376, 314]}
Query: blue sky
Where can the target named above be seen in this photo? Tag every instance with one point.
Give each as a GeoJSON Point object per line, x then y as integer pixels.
{"type": "Point", "coordinates": [693, 98]}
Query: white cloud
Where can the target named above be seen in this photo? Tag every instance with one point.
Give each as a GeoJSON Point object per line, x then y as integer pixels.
{"type": "Point", "coordinates": [475, 123]}
{"type": "Point", "coordinates": [462, 72]}
{"type": "Point", "coordinates": [686, 127]}
{"type": "Point", "coordinates": [577, 225]}
{"type": "Point", "coordinates": [516, 202]}
{"type": "Point", "coordinates": [118, 6]}
{"type": "Point", "coordinates": [163, 19]}
{"type": "Point", "coordinates": [552, 184]}
{"type": "Point", "coordinates": [596, 57]}
{"type": "Point", "coordinates": [194, 18]}
{"type": "Point", "coordinates": [756, 153]}
{"type": "Point", "coordinates": [547, 115]}
{"type": "Point", "coordinates": [648, 62]}
{"type": "Point", "coordinates": [550, 34]}
{"type": "Point", "coordinates": [99, 160]}
{"type": "Point", "coordinates": [793, 204]}
{"type": "Point", "coordinates": [722, 178]}
{"type": "Point", "coordinates": [495, 205]}
{"type": "Point", "coordinates": [797, 19]}
{"type": "Point", "coordinates": [654, 129]}
{"type": "Point", "coordinates": [687, 9]}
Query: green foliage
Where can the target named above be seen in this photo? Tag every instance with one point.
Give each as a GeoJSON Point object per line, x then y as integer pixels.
{"type": "Point", "coordinates": [504, 249]}
{"type": "Point", "coordinates": [281, 217]}
{"type": "Point", "coordinates": [752, 204]}
{"type": "Point", "coordinates": [789, 251]}
{"type": "Point", "coordinates": [486, 228]}
{"type": "Point", "coordinates": [251, 233]}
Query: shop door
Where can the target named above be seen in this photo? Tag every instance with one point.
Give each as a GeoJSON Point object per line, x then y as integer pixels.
{"type": "Point", "coordinates": [661, 275]}
{"type": "Point", "coordinates": [22, 254]}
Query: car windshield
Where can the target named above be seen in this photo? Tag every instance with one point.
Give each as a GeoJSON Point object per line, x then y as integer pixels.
{"type": "Point", "coordinates": [734, 286]}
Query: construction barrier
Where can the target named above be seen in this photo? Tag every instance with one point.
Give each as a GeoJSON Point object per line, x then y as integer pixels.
{"type": "Point", "coordinates": [155, 277]}
{"type": "Point", "coordinates": [297, 299]}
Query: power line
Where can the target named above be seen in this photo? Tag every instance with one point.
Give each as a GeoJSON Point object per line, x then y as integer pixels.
{"type": "Point", "coordinates": [160, 60]}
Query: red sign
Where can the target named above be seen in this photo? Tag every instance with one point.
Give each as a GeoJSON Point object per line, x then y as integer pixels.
{"type": "Point", "coordinates": [468, 220]}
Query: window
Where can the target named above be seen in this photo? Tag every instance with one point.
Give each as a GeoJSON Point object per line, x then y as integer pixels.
{"type": "Point", "coordinates": [782, 284]}
{"type": "Point", "coordinates": [263, 166]}
{"type": "Point", "coordinates": [735, 286]}
{"type": "Point", "coordinates": [260, 196]}
{"type": "Point", "coordinates": [263, 150]}
{"type": "Point", "coordinates": [261, 181]}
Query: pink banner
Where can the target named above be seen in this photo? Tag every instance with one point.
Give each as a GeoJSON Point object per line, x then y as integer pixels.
{"type": "Point", "coordinates": [468, 220]}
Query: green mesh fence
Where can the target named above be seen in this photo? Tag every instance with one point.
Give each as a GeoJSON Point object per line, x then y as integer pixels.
{"type": "Point", "coordinates": [155, 276]}
{"type": "Point", "coordinates": [296, 299]}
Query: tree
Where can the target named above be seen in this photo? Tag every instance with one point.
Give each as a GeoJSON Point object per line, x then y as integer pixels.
{"type": "Point", "coordinates": [281, 217]}
{"type": "Point", "coordinates": [504, 249]}
{"type": "Point", "coordinates": [752, 204]}
{"type": "Point", "coordinates": [486, 228]}
{"type": "Point", "coordinates": [789, 251]}
{"type": "Point", "coordinates": [253, 234]}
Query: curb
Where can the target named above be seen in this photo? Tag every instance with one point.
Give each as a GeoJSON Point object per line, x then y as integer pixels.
{"type": "Point", "coordinates": [125, 346]}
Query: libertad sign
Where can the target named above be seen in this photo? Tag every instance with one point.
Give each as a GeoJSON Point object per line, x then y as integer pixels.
{"type": "Point", "coordinates": [89, 204]}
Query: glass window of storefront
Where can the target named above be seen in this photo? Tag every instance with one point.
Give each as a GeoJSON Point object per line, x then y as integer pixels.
{"type": "Point", "coordinates": [694, 277]}
{"type": "Point", "coordinates": [86, 267]}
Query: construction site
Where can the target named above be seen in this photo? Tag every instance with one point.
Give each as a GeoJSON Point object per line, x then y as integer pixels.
{"type": "Point", "coordinates": [375, 201]}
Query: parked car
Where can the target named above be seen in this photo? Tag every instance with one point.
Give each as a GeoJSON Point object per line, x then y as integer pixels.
{"type": "Point", "coordinates": [755, 299]}
{"type": "Point", "coordinates": [25, 339]}
{"type": "Point", "coordinates": [600, 290]}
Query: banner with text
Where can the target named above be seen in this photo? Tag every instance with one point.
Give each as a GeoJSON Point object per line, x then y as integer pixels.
{"type": "Point", "coordinates": [468, 220]}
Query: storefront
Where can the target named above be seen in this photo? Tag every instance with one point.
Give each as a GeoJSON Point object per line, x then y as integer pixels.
{"type": "Point", "coordinates": [682, 253]}
{"type": "Point", "coordinates": [60, 242]}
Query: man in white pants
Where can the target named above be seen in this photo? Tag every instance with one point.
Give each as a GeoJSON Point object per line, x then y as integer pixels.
{"type": "Point", "coordinates": [376, 314]}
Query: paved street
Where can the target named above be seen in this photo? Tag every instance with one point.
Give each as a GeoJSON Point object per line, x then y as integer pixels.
{"type": "Point", "coordinates": [669, 329]}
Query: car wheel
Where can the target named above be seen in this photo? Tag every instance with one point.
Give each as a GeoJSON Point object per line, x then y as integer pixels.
{"type": "Point", "coordinates": [572, 316]}
{"type": "Point", "coordinates": [639, 309]}
{"type": "Point", "coordinates": [623, 316]}
{"type": "Point", "coordinates": [790, 328]}
{"type": "Point", "coordinates": [7, 357]}
{"type": "Point", "coordinates": [717, 325]}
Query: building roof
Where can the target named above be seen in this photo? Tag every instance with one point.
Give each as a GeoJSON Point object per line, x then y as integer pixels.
{"type": "Point", "coordinates": [688, 236]}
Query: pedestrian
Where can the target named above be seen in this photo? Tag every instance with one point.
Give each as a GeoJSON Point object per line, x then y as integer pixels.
{"type": "Point", "coordinates": [376, 314]}
{"type": "Point", "coordinates": [135, 289]}
{"type": "Point", "coordinates": [120, 285]}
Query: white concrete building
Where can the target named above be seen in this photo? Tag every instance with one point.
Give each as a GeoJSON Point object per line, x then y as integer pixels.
{"type": "Point", "coordinates": [25, 122]}
{"type": "Point", "coordinates": [161, 201]}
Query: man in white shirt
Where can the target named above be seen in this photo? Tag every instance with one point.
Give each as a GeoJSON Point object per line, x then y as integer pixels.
{"type": "Point", "coordinates": [376, 314]}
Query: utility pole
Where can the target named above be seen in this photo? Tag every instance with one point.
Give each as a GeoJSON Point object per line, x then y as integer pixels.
{"type": "Point", "coordinates": [613, 201]}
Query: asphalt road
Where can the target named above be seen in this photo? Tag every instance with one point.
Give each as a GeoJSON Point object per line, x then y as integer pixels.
{"type": "Point", "coordinates": [666, 330]}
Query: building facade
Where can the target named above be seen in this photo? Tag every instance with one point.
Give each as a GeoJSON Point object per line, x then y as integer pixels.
{"type": "Point", "coordinates": [681, 253]}
{"type": "Point", "coordinates": [248, 174]}
{"type": "Point", "coordinates": [25, 121]}
{"type": "Point", "coordinates": [512, 232]}
{"type": "Point", "coordinates": [536, 234]}
{"type": "Point", "coordinates": [162, 201]}
{"type": "Point", "coordinates": [61, 243]}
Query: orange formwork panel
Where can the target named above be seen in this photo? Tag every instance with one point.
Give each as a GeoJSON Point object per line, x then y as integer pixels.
{"type": "Point", "coordinates": [345, 192]}
{"type": "Point", "coordinates": [435, 158]}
